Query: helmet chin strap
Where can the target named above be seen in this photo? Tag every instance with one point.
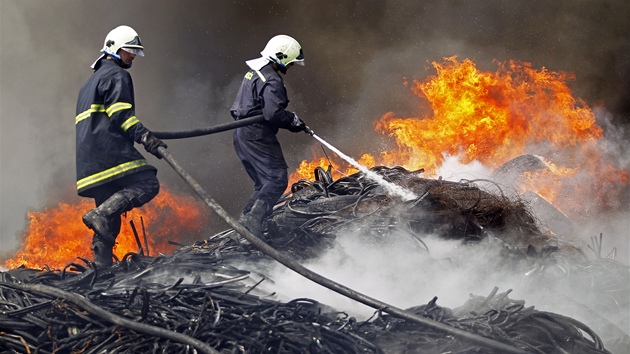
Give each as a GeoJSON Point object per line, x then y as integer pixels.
{"type": "Point", "coordinates": [114, 55]}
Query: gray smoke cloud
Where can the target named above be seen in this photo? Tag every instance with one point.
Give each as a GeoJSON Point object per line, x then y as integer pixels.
{"type": "Point", "coordinates": [358, 54]}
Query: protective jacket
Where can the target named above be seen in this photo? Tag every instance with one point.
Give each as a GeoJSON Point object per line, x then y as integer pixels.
{"type": "Point", "coordinates": [262, 92]}
{"type": "Point", "coordinates": [106, 129]}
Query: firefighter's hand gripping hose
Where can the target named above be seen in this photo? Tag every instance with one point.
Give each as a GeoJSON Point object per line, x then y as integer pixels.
{"type": "Point", "coordinates": [339, 288]}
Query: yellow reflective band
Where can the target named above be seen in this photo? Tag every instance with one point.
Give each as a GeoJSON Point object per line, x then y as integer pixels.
{"type": "Point", "coordinates": [130, 122]}
{"type": "Point", "coordinates": [86, 114]}
{"type": "Point", "coordinates": [249, 75]}
{"type": "Point", "coordinates": [97, 177]}
{"type": "Point", "coordinates": [118, 106]}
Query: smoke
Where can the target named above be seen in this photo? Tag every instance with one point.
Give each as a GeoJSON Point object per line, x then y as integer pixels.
{"type": "Point", "coordinates": [400, 272]}
{"type": "Point", "coordinates": [403, 273]}
{"type": "Point", "coordinates": [358, 56]}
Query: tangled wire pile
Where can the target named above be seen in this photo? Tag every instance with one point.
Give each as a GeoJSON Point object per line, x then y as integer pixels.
{"type": "Point", "coordinates": [316, 211]}
{"type": "Point", "coordinates": [196, 297]}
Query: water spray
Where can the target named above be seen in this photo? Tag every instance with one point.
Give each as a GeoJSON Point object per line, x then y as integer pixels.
{"type": "Point", "coordinates": [392, 188]}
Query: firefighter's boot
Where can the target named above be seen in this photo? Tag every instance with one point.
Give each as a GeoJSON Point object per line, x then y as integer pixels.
{"type": "Point", "coordinates": [253, 221]}
{"type": "Point", "coordinates": [103, 253]}
{"type": "Point", "coordinates": [100, 219]}
{"type": "Point", "coordinates": [238, 237]}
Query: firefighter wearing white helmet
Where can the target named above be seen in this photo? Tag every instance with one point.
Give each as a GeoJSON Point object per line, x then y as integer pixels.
{"type": "Point", "coordinates": [109, 168]}
{"type": "Point", "coordinates": [122, 37]}
{"type": "Point", "coordinates": [283, 50]}
{"type": "Point", "coordinates": [263, 92]}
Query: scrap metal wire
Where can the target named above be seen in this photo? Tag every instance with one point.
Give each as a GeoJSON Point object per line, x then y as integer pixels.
{"type": "Point", "coordinates": [41, 312]}
{"type": "Point", "coordinates": [211, 304]}
{"type": "Point", "coordinates": [315, 212]}
{"type": "Point", "coordinates": [495, 316]}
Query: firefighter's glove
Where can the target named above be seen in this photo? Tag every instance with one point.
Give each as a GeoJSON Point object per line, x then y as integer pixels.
{"type": "Point", "coordinates": [151, 144]}
{"type": "Point", "coordinates": [297, 125]}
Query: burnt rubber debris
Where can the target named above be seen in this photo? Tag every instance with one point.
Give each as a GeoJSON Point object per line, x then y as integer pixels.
{"type": "Point", "coordinates": [206, 298]}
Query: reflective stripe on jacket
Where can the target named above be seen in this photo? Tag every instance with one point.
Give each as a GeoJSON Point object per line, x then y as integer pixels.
{"type": "Point", "coordinates": [106, 129]}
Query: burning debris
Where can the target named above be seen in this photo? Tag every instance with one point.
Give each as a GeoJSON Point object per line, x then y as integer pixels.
{"type": "Point", "coordinates": [178, 216]}
{"type": "Point", "coordinates": [318, 210]}
{"type": "Point", "coordinates": [206, 297]}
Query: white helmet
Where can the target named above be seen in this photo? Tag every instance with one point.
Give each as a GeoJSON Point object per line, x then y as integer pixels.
{"type": "Point", "coordinates": [283, 50]}
{"type": "Point", "coordinates": [125, 38]}
{"type": "Point", "coordinates": [121, 37]}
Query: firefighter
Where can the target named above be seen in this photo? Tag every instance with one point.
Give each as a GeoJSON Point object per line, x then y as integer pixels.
{"type": "Point", "coordinates": [109, 168]}
{"type": "Point", "coordinates": [263, 92]}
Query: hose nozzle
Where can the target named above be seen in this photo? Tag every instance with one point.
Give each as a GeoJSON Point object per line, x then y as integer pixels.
{"type": "Point", "coordinates": [308, 130]}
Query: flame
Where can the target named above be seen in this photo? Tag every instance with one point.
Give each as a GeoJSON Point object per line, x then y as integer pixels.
{"type": "Point", "coordinates": [57, 236]}
{"type": "Point", "coordinates": [492, 117]}
{"type": "Point", "coordinates": [338, 169]}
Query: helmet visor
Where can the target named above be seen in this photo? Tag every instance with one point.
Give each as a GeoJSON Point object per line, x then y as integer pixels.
{"type": "Point", "coordinates": [137, 51]}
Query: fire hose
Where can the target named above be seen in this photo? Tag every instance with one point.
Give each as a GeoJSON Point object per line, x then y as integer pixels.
{"type": "Point", "coordinates": [321, 280]}
{"type": "Point", "coordinates": [211, 130]}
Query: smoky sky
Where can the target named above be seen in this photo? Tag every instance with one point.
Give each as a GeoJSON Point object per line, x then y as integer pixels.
{"type": "Point", "coordinates": [358, 54]}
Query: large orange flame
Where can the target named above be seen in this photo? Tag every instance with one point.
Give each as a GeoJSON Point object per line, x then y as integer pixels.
{"type": "Point", "coordinates": [57, 235]}
{"type": "Point", "coordinates": [492, 117]}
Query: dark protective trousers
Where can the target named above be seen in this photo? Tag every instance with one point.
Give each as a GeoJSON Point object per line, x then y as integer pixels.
{"type": "Point", "coordinates": [139, 189]}
{"type": "Point", "coordinates": [261, 156]}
